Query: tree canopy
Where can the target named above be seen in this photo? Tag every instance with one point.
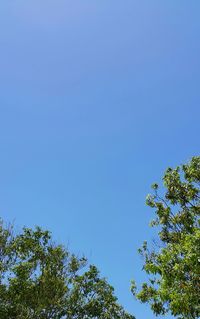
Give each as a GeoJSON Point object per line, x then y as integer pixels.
{"type": "Point", "coordinates": [173, 264]}
{"type": "Point", "coordinates": [42, 280]}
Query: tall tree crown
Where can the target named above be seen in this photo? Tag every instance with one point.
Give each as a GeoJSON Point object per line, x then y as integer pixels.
{"type": "Point", "coordinates": [173, 267]}
{"type": "Point", "coordinates": [41, 280]}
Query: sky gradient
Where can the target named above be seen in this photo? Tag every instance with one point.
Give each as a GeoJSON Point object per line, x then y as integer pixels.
{"type": "Point", "coordinates": [97, 99]}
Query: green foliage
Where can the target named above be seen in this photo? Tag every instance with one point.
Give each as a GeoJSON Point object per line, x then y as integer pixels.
{"type": "Point", "coordinates": [173, 267]}
{"type": "Point", "coordinates": [41, 280]}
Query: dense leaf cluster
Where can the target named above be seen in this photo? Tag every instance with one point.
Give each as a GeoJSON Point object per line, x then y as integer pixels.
{"type": "Point", "coordinates": [173, 267]}
{"type": "Point", "coordinates": [41, 280]}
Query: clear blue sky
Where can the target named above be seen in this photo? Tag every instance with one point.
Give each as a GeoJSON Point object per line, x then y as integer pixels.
{"type": "Point", "coordinates": [97, 98]}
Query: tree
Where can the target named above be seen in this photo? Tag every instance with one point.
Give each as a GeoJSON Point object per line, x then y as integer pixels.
{"type": "Point", "coordinates": [173, 267]}
{"type": "Point", "coordinates": [42, 280]}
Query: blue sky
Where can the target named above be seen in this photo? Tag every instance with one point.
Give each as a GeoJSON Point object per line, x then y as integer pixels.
{"type": "Point", "coordinates": [97, 98]}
